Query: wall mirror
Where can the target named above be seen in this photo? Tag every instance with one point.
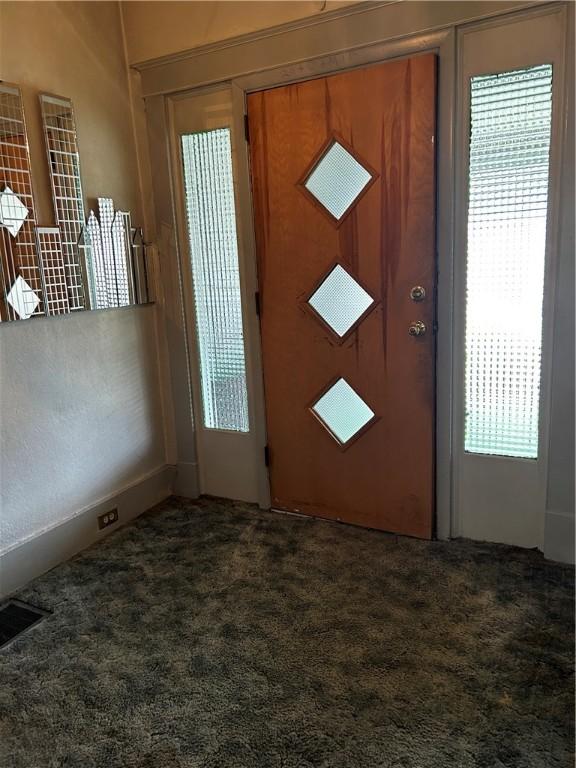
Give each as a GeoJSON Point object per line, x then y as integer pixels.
{"type": "Point", "coordinates": [64, 169]}
{"type": "Point", "coordinates": [22, 281]}
{"type": "Point", "coordinates": [94, 261]}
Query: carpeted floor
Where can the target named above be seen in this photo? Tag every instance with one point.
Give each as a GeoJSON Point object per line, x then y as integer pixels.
{"type": "Point", "coordinates": [212, 634]}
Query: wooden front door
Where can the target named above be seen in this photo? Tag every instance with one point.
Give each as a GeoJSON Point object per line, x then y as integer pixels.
{"type": "Point", "coordinates": [343, 181]}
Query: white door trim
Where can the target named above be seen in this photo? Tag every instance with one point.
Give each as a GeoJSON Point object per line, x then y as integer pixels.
{"type": "Point", "coordinates": [503, 498]}
{"type": "Point", "coordinates": [230, 463]}
{"type": "Point", "coordinates": [295, 44]}
{"type": "Point", "coordinates": [443, 44]}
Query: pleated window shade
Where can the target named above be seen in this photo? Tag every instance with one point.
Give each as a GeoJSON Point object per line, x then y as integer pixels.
{"type": "Point", "coordinates": [510, 132]}
{"type": "Point", "coordinates": [209, 188]}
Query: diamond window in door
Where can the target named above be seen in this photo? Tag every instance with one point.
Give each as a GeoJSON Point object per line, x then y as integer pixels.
{"type": "Point", "coordinates": [343, 412]}
{"type": "Point", "coordinates": [337, 180]}
{"type": "Point", "coordinates": [340, 301]}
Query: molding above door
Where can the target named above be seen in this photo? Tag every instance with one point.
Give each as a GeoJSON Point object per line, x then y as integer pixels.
{"type": "Point", "coordinates": [297, 43]}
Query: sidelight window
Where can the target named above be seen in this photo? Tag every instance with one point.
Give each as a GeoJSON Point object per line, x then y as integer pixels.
{"type": "Point", "coordinates": [211, 215]}
{"type": "Point", "coordinates": [510, 132]}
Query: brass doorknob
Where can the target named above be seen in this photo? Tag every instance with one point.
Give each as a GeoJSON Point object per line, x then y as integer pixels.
{"type": "Point", "coordinates": [417, 328]}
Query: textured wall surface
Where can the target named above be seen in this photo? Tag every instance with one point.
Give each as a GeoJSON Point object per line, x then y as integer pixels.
{"type": "Point", "coordinates": [80, 404]}
{"type": "Point", "coordinates": [80, 414]}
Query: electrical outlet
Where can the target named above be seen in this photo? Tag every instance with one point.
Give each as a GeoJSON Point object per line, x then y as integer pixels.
{"type": "Point", "coordinates": [107, 518]}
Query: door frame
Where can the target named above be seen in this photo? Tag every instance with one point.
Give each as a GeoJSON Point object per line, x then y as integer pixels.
{"type": "Point", "coordinates": [424, 69]}
{"type": "Point", "coordinates": [241, 479]}
{"type": "Point", "coordinates": [441, 43]}
{"type": "Point", "coordinates": [243, 64]}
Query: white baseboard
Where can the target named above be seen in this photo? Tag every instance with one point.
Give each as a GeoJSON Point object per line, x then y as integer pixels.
{"type": "Point", "coordinates": [186, 481]}
{"type": "Point", "coordinates": [34, 557]}
{"type": "Point", "coordinates": [559, 536]}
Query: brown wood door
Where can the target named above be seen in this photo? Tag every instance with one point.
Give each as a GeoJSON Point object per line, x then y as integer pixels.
{"type": "Point", "coordinates": [344, 188]}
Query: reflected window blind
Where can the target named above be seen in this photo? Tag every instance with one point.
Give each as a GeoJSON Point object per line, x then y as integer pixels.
{"type": "Point", "coordinates": [209, 189]}
{"type": "Point", "coordinates": [508, 199]}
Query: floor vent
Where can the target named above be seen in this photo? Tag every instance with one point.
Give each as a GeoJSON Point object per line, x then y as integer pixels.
{"type": "Point", "coordinates": [17, 617]}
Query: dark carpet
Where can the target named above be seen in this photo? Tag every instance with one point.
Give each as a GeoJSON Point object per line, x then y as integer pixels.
{"type": "Point", "coordinates": [213, 634]}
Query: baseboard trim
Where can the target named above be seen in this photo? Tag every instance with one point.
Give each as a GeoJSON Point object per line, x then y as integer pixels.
{"type": "Point", "coordinates": [559, 536]}
{"type": "Point", "coordinates": [186, 481]}
{"type": "Point", "coordinates": [35, 556]}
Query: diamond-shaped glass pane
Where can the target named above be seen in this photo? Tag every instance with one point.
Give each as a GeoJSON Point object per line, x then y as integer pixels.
{"type": "Point", "coordinates": [340, 300]}
{"type": "Point", "coordinates": [337, 180]}
{"type": "Point", "coordinates": [23, 298]}
{"type": "Point", "coordinates": [342, 411]}
{"type": "Point", "coordinates": [13, 212]}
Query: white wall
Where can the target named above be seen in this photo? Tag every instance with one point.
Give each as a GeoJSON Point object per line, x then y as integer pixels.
{"type": "Point", "coordinates": [163, 27]}
{"type": "Point", "coordinates": [80, 415]}
{"type": "Point", "coordinates": [81, 407]}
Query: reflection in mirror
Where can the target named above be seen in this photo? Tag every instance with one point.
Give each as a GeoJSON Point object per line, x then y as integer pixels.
{"type": "Point", "coordinates": [123, 259]}
{"type": "Point", "coordinates": [76, 265]}
{"type": "Point", "coordinates": [140, 264]}
{"type": "Point", "coordinates": [115, 255]}
{"type": "Point", "coordinates": [53, 270]}
{"type": "Point", "coordinates": [20, 269]}
{"type": "Point", "coordinates": [114, 276]}
{"type": "Point", "coordinates": [64, 165]}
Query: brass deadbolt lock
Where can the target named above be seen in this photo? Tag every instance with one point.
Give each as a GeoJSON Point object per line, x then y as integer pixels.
{"type": "Point", "coordinates": [418, 293]}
